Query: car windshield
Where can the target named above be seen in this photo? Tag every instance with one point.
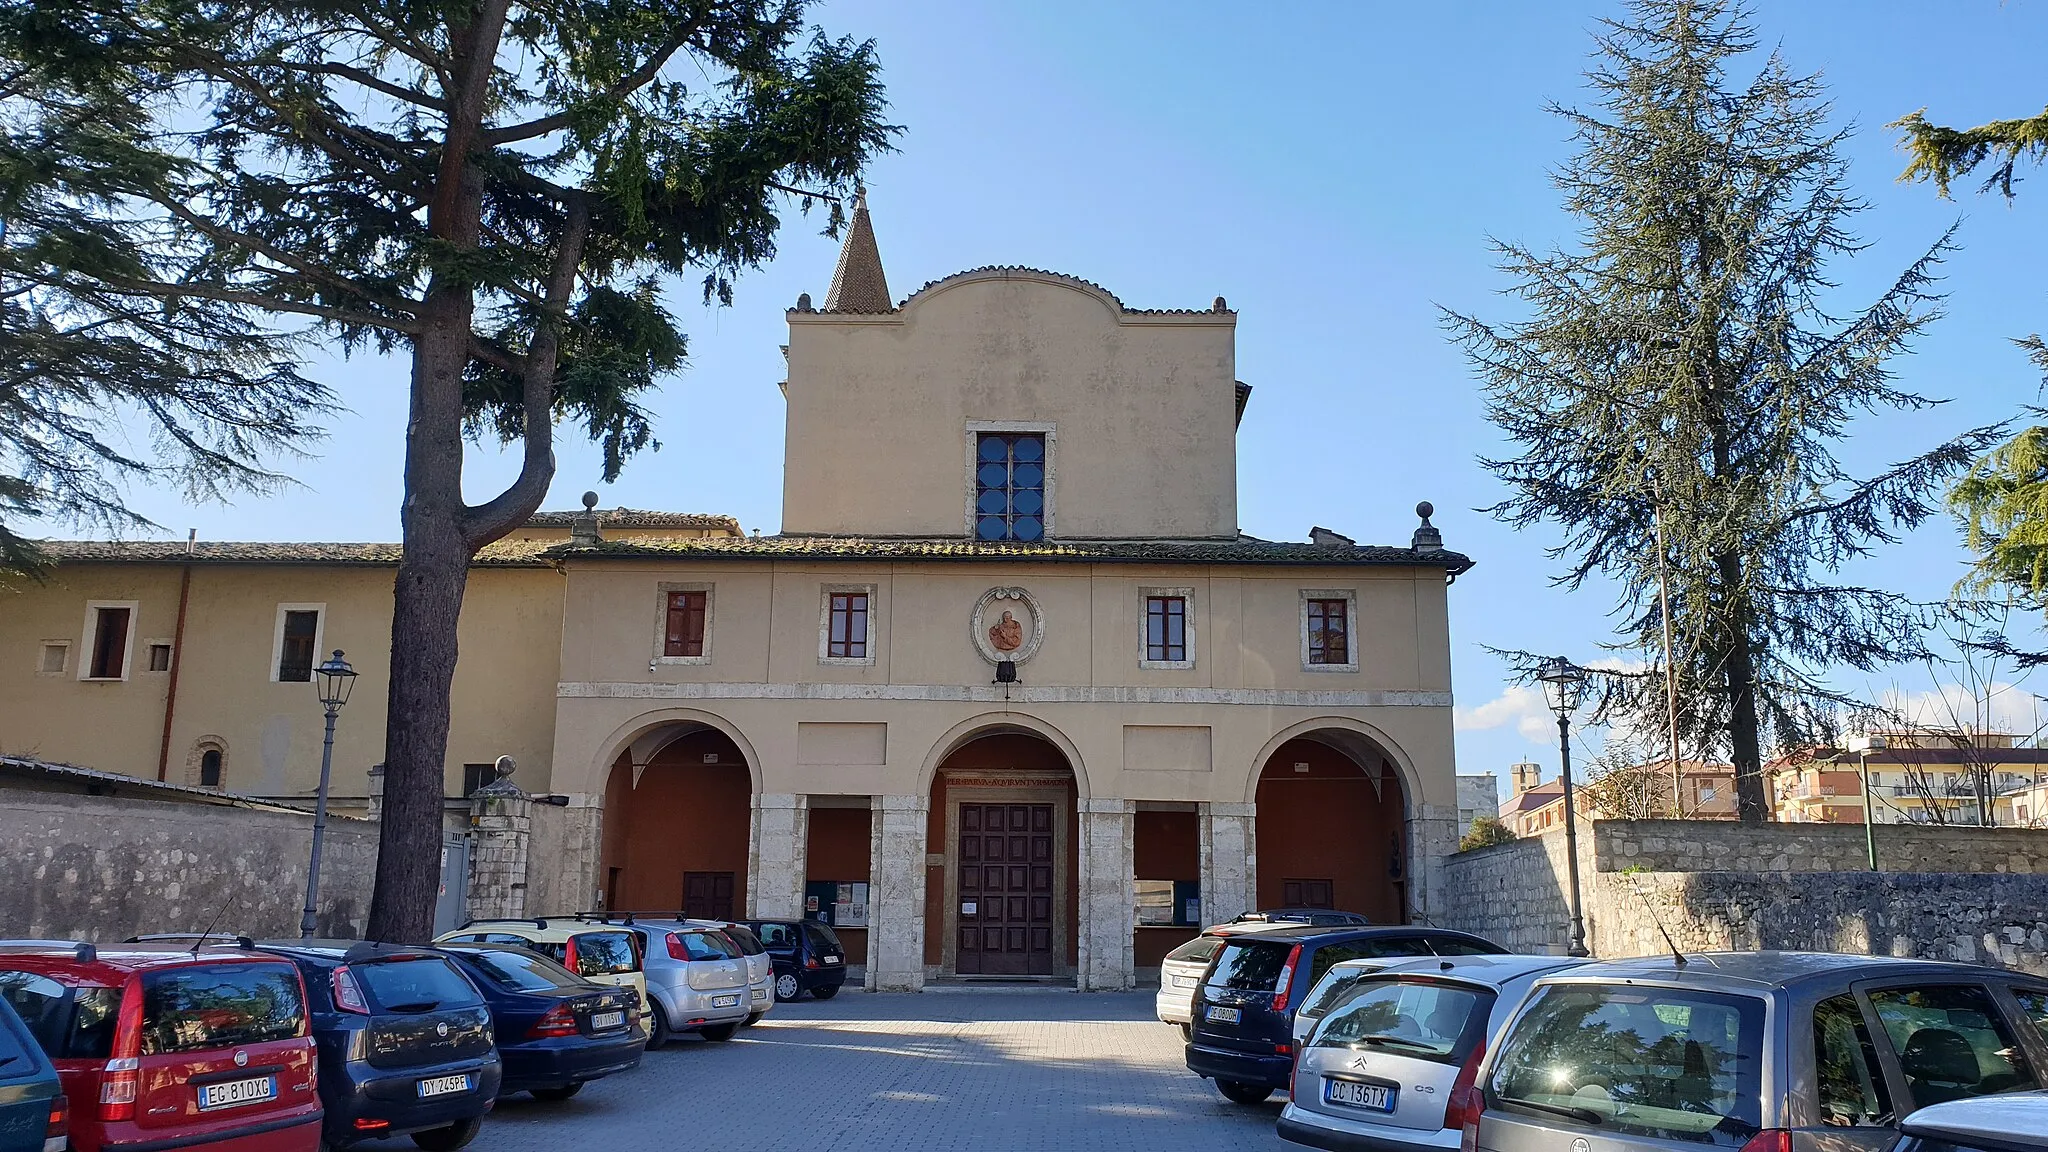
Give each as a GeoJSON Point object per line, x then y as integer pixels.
{"type": "Point", "coordinates": [749, 943]}
{"type": "Point", "coordinates": [706, 945]}
{"type": "Point", "coordinates": [1670, 1063]}
{"type": "Point", "coordinates": [209, 1006]}
{"type": "Point", "coordinates": [1250, 965]}
{"type": "Point", "coordinates": [1200, 950]}
{"type": "Point", "coordinates": [605, 954]}
{"type": "Point", "coordinates": [418, 984]}
{"type": "Point", "coordinates": [822, 938]}
{"type": "Point", "coordinates": [1331, 989]}
{"type": "Point", "coordinates": [1425, 1019]}
{"type": "Point", "coordinates": [518, 970]}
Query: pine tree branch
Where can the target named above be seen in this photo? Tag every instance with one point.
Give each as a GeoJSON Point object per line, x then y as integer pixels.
{"type": "Point", "coordinates": [632, 82]}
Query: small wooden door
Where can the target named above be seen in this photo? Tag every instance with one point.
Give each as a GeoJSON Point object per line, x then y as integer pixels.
{"type": "Point", "coordinates": [1306, 894]}
{"type": "Point", "coordinates": [707, 895]}
{"type": "Point", "coordinates": [1006, 888]}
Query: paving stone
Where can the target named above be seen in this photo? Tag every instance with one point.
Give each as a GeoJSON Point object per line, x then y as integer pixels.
{"type": "Point", "coordinates": [1021, 1070]}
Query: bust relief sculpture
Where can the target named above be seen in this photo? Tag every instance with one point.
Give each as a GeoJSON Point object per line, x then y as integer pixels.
{"type": "Point", "coordinates": [1007, 635]}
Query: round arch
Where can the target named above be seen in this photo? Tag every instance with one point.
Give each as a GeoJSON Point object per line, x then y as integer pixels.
{"type": "Point", "coordinates": [989, 723]}
{"type": "Point", "coordinates": [647, 723]}
{"type": "Point", "coordinates": [1411, 787]}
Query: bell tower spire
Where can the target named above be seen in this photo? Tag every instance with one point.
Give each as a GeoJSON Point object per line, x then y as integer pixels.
{"type": "Point", "coordinates": [857, 283]}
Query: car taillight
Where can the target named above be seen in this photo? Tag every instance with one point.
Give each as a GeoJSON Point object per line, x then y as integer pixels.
{"type": "Point", "coordinates": [59, 1126]}
{"type": "Point", "coordinates": [556, 1021]}
{"type": "Point", "coordinates": [1770, 1140]}
{"type": "Point", "coordinates": [1467, 1102]}
{"type": "Point", "coordinates": [810, 961]}
{"type": "Point", "coordinates": [676, 951]}
{"type": "Point", "coordinates": [1285, 984]}
{"type": "Point", "coordinates": [348, 995]}
{"type": "Point", "coordinates": [569, 956]}
{"type": "Point", "coordinates": [124, 1072]}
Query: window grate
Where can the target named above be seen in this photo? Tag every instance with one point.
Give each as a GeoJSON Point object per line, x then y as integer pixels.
{"type": "Point", "coordinates": [1009, 486]}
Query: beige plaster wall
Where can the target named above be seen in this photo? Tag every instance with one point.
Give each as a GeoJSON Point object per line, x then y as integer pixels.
{"type": "Point", "coordinates": [1142, 408]}
{"type": "Point", "coordinates": [503, 701]}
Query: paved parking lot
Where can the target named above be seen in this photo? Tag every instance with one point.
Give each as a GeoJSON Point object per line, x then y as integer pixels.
{"type": "Point", "coordinates": [971, 1069]}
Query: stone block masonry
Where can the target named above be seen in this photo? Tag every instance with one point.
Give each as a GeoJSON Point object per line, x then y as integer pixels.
{"type": "Point", "coordinates": [106, 868]}
{"type": "Point", "coordinates": [1970, 894]}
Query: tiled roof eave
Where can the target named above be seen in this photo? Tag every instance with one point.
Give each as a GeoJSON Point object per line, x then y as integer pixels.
{"type": "Point", "coordinates": [857, 549]}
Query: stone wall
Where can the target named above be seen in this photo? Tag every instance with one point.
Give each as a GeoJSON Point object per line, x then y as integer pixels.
{"type": "Point", "coordinates": [1972, 894]}
{"type": "Point", "coordinates": [104, 868]}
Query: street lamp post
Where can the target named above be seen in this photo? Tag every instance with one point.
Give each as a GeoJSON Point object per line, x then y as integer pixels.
{"type": "Point", "coordinates": [1863, 746]}
{"type": "Point", "coordinates": [1564, 683]}
{"type": "Point", "coordinates": [333, 679]}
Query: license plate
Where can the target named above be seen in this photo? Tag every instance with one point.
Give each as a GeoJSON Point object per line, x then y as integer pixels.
{"type": "Point", "coordinates": [832, 959]}
{"type": "Point", "coordinates": [599, 1021]}
{"type": "Point", "coordinates": [1223, 1015]}
{"type": "Point", "coordinates": [760, 993]}
{"type": "Point", "coordinates": [443, 1085]}
{"type": "Point", "coordinates": [1352, 1094]}
{"type": "Point", "coordinates": [724, 1001]}
{"type": "Point", "coordinates": [1183, 981]}
{"type": "Point", "coordinates": [235, 1092]}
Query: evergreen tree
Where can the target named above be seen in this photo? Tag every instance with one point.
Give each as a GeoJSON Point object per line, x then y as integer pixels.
{"type": "Point", "coordinates": [490, 189]}
{"type": "Point", "coordinates": [1680, 363]}
{"type": "Point", "coordinates": [2003, 501]}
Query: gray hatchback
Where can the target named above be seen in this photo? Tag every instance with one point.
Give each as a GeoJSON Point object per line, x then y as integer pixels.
{"type": "Point", "coordinates": [1764, 1051]}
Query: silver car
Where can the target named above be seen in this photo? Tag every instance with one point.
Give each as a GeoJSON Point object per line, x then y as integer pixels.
{"type": "Point", "coordinates": [1392, 1056]}
{"type": "Point", "coordinates": [697, 980]}
{"type": "Point", "coordinates": [760, 966]}
{"type": "Point", "coordinates": [1787, 1051]}
{"type": "Point", "coordinates": [2012, 1122]}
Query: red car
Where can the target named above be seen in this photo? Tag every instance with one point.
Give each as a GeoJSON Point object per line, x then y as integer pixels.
{"type": "Point", "coordinates": [160, 1049]}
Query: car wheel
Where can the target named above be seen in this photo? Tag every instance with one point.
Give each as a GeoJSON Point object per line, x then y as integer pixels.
{"type": "Point", "coordinates": [786, 987]}
{"type": "Point", "coordinates": [450, 1138]}
{"type": "Point", "coordinates": [718, 1032]}
{"type": "Point", "coordinates": [753, 1020]}
{"type": "Point", "coordinates": [1241, 1093]}
{"type": "Point", "coordinates": [661, 1033]}
{"type": "Point", "coordinates": [827, 992]}
{"type": "Point", "coordinates": [1187, 1033]}
{"type": "Point", "coordinates": [562, 1093]}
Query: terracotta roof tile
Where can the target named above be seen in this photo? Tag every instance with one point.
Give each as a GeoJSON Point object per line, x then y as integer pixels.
{"type": "Point", "coordinates": [636, 518]}
{"type": "Point", "coordinates": [503, 554]}
{"type": "Point", "coordinates": [1243, 550]}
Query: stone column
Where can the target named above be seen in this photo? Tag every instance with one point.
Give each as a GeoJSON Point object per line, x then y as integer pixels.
{"type": "Point", "coordinates": [1229, 864]}
{"type": "Point", "coordinates": [777, 840]}
{"type": "Point", "coordinates": [1432, 837]}
{"type": "Point", "coordinates": [1107, 867]}
{"type": "Point", "coordinates": [896, 894]}
{"type": "Point", "coordinates": [501, 822]}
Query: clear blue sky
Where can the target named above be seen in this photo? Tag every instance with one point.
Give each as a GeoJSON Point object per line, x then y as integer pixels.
{"type": "Point", "coordinates": [1335, 171]}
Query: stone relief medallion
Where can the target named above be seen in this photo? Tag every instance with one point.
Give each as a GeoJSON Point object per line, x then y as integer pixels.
{"type": "Point", "coordinates": [1007, 625]}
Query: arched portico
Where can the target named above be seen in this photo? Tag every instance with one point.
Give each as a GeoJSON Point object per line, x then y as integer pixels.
{"type": "Point", "coordinates": [677, 831]}
{"type": "Point", "coordinates": [1331, 810]}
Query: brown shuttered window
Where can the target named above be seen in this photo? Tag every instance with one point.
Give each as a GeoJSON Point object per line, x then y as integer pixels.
{"type": "Point", "coordinates": [1166, 628]}
{"type": "Point", "coordinates": [848, 638]}
{"type": "Point", "coordinates": [110, 644]}
{"type": "Point", "coordinates": [1328, 637]}
{"type": "Point", "coordinates": [685, 635]}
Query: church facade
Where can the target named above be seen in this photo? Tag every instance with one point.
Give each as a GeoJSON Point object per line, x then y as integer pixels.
{"type": "Point", "coordinates": [1009, 696]}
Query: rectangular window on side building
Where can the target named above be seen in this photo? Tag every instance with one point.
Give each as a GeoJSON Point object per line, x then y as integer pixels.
{"type": "Point", "coordinates": [295, 655]}
{"type": "Point", "coordinates": [1166, 628]}
{"type": "Point", "coordinates": [848, 635]}
{"type": "Point", "coordinates": [1329, 639]}
{"type": "Point", "coordinates": [110, 643]}
{"type": "Point", "coordinates": [685, 632]}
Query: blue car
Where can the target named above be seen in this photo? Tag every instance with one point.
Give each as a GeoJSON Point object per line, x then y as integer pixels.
{"type": "Point", "coordinates": [556, 1031]}
{"type": "Point", "coordinates": [32, 1107]}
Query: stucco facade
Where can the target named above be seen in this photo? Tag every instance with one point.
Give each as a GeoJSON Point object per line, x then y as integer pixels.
{"type": "Point", "coordinates": [1009, 696]}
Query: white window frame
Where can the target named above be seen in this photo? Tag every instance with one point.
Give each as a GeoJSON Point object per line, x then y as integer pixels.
{"type": "Point", "coordinates": [971, 441]}
{"type": "Point", "coordinates": [63, 666]}
{"type": "Point", "coordinates": [153, 642]}
{"type": "Point", "coordinates": [825, 624]}
{"type": "Point", "coordinates": [89, 637]}
{"type": "Point", "coordinates": [1187, 599]}
{"type": "Point", "coordinates": [662, 590]}
{"type": "Point", "coordinates": [1350, 598]}
{"type": "Point", "coordinates": [277, 637]}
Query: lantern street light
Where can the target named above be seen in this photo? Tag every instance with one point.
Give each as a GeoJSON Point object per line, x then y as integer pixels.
{"type": "Point", "coordinates": [1564, 685]}
{"type": "Point", "coordinates": [333, 679]}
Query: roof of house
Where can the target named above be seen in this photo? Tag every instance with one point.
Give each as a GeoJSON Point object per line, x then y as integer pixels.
{"type": "Point", "coordinates": [503, 554]}
{"type": "Point", "coordinates": [1243, 550]}
{"type": "Point", "coordinates": [1533, 798]}
{"type": "Point", "coordinates": [858, 284]}
{"type": "Point", "coordinates": [636, 518]}
{"type": "Point", "coordinates": [72, 776]}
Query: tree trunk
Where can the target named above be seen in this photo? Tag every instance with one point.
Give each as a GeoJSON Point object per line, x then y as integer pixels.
{"type": "Point", "coordinates": [426, 608]}
{"type": "Point", "coordinates": [1745, 745]}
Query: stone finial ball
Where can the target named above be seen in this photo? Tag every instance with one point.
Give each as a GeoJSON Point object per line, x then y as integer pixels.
{"type": "Point", "coordinates": [590, 499]}
{"type": "Point", "coordinates": [505, 766]}
{"type": "Point", "coordinates": [1219, 306]}
{"type": "Point", "coordinates": [1425, 509]}
{"type": "Point", "coordinates": [803, 302]}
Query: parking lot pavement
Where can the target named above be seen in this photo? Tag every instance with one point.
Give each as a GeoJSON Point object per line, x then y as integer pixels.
{"type": "Point", "coordinates": [979, 1069]}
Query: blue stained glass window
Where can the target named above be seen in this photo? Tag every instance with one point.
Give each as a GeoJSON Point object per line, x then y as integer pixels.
{"type": "Point", "coordinates": [1009, 486]}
